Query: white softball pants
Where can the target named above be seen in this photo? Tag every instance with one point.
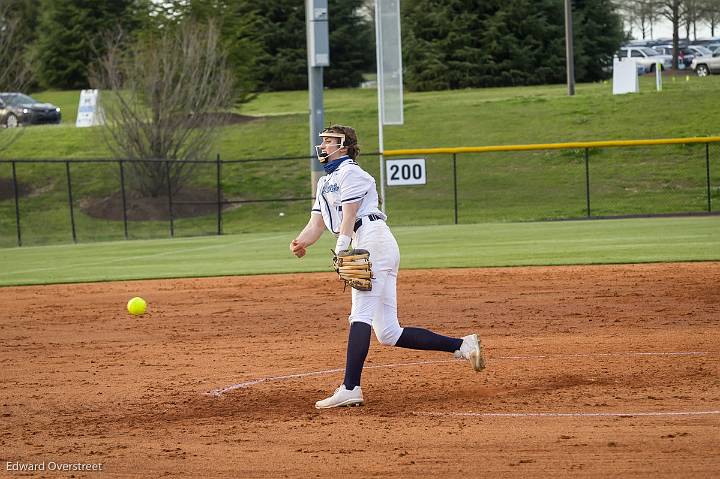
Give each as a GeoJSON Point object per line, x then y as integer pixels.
{"type": "Point", "coordinates": [378, 307]}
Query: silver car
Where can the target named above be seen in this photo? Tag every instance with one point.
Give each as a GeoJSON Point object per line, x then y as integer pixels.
{"type": "Point", "coordinates": [704, 66]}
{"type": "Point", "coordinates": [685, 55]}
{"type": "Point", "coordinates": [700, 50]}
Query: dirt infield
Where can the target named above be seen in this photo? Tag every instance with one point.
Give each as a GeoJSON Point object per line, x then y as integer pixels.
{"type": "Point", "coordinates": [600, 371]}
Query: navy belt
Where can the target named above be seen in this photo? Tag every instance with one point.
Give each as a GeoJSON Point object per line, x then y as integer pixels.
{"type": "Point", "coordinates": [359, 221]}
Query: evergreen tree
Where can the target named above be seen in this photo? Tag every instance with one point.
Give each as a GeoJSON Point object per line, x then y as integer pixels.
{"type": "Point", "coordinates": [352, 44]}
{"type": "Point", "coordinates": [282, 60]}
{"type": "Point", "coordinates": [471, 43]}
{"type": "Point", "coordinates": [237, 28]}
{"type": "Point", "coordinates": [281, 33]}
{"type": "Point", "coordinates": [597, 32]}
{"type": "Point", "coordinates": [69, 37]}
{"type": "Point", "coordinates": [441, 44]}
{"type": "Point", "coordinates": [525, 44]}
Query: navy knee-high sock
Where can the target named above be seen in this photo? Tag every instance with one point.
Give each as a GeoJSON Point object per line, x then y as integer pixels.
{"type": "Point", "coordinates": [418, 338]}
{"type": "Point", "coordinates": [357, 350]}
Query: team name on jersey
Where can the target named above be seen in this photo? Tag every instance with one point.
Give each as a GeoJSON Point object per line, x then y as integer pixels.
{"type": "Point", "coordinates": [328, 188]}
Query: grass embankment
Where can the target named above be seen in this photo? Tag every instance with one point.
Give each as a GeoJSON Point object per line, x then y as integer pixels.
{"type": "Point", "coordinates": [491, 187]}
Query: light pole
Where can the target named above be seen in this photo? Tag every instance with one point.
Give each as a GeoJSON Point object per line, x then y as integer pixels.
{"type": "Point", "coordinates": [318, 48]}
{"type": "Point", "coordinates": [569, 55]}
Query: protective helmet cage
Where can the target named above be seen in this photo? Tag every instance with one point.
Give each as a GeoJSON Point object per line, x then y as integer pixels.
{"type": "Point", "coordinates": [347, 139]}
{"type": "Point", "coordinates": [323, 157]}
{"type": "Point", "coordinates": [333, 134]}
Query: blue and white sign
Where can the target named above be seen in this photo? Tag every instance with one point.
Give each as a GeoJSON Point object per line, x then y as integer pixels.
{"type": "Point", "coordinates": [88, 113]}
{"type": "Point", "coordinates": [405, 172]}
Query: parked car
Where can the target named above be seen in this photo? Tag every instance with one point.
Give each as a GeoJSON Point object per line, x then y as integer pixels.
{"type": "Point", "coordinates": [646, 56]}
{"type": "Point", "coordinates": [648, 43]}
{"type": "Point", "coordinates": [18, 109]}
{"type": "Point", "coordinates": [685, 54]}
{"type": "Point", "coordinates": [706, 41]}
{"type": "Point", "coordinates": [700, 50]}
{"type": "Point", "coordinates": [713, 47]}
{"type": "Point", "coordinates": [703, 66]}
{"type": "Point", "coordinates": [608, 68]}
{"type": "Point", "coordinates": [639, 43]}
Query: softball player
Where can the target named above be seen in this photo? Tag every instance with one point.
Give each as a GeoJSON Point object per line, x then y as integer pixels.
{"type": "Point", "coordinates": [346, 203]}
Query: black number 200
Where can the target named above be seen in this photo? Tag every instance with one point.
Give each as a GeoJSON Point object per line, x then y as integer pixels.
{"type": "Point", "coordinates": [406, 172]}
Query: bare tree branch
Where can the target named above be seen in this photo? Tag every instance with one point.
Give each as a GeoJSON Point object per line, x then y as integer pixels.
{"type": "Point", "coordinates": [693, 12]}
{"type": "Point", "coordinates": [674, 11]}
{"type": "Point", "coordinates": [640, 13]}
{"type": "Point", "coordinates": [15, 71]}
{"type": "Point", "coordinates": [163, 99]}
{"type": "Point", "coordinates": [710, 13]}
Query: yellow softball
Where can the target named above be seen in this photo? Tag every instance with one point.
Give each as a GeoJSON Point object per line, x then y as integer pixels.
{"type": "Point", "coordinates": [136, 306]}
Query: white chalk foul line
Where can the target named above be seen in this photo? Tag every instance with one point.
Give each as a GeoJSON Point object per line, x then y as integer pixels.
{"type": "Point", "coordinates": [221, 391]}
{"type": "Point", "coordinates": [616, 354]}
{"type": "Point", "coordinates": [568, 414]}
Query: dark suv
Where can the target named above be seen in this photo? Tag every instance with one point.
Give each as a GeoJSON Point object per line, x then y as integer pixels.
{"type": "Point", "coordinates": [17, 109]}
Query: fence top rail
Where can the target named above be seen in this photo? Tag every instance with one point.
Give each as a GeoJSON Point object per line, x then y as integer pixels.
{"type": "Point", "coordinates": [551, 146]}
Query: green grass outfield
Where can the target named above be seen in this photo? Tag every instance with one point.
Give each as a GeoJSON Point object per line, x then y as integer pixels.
{"type": "Point", "coordinates": [478, 245]}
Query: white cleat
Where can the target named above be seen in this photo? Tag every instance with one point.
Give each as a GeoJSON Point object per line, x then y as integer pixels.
{"type": "Point", "coordinates": [342, 397]}
{"type": "Point", "coordinates": [471, 349]}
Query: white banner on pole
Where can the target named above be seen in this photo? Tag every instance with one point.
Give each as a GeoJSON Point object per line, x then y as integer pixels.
{"type": "Point", "coordinates": [389, 54]}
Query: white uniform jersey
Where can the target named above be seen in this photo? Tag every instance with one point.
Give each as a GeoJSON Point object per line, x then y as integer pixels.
{"type": "Point", "coordinates": [347, 184]}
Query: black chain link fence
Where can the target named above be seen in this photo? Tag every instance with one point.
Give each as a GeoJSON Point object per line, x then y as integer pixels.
{"type": "Point", "coordinates": [62, 201]}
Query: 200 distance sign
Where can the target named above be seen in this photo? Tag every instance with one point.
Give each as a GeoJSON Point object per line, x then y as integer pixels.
{"type": "Point", "coordinates": [405, 172]}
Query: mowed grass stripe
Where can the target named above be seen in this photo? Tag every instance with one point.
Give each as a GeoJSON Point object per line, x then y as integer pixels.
{"type": "Point", "coordinates": [450, 246]}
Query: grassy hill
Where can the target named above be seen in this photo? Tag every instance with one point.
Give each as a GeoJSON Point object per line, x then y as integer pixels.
{"type": "Point", "coordinates": [491, 116]}
{"type": "Point", "coordinates": [498, 187]}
